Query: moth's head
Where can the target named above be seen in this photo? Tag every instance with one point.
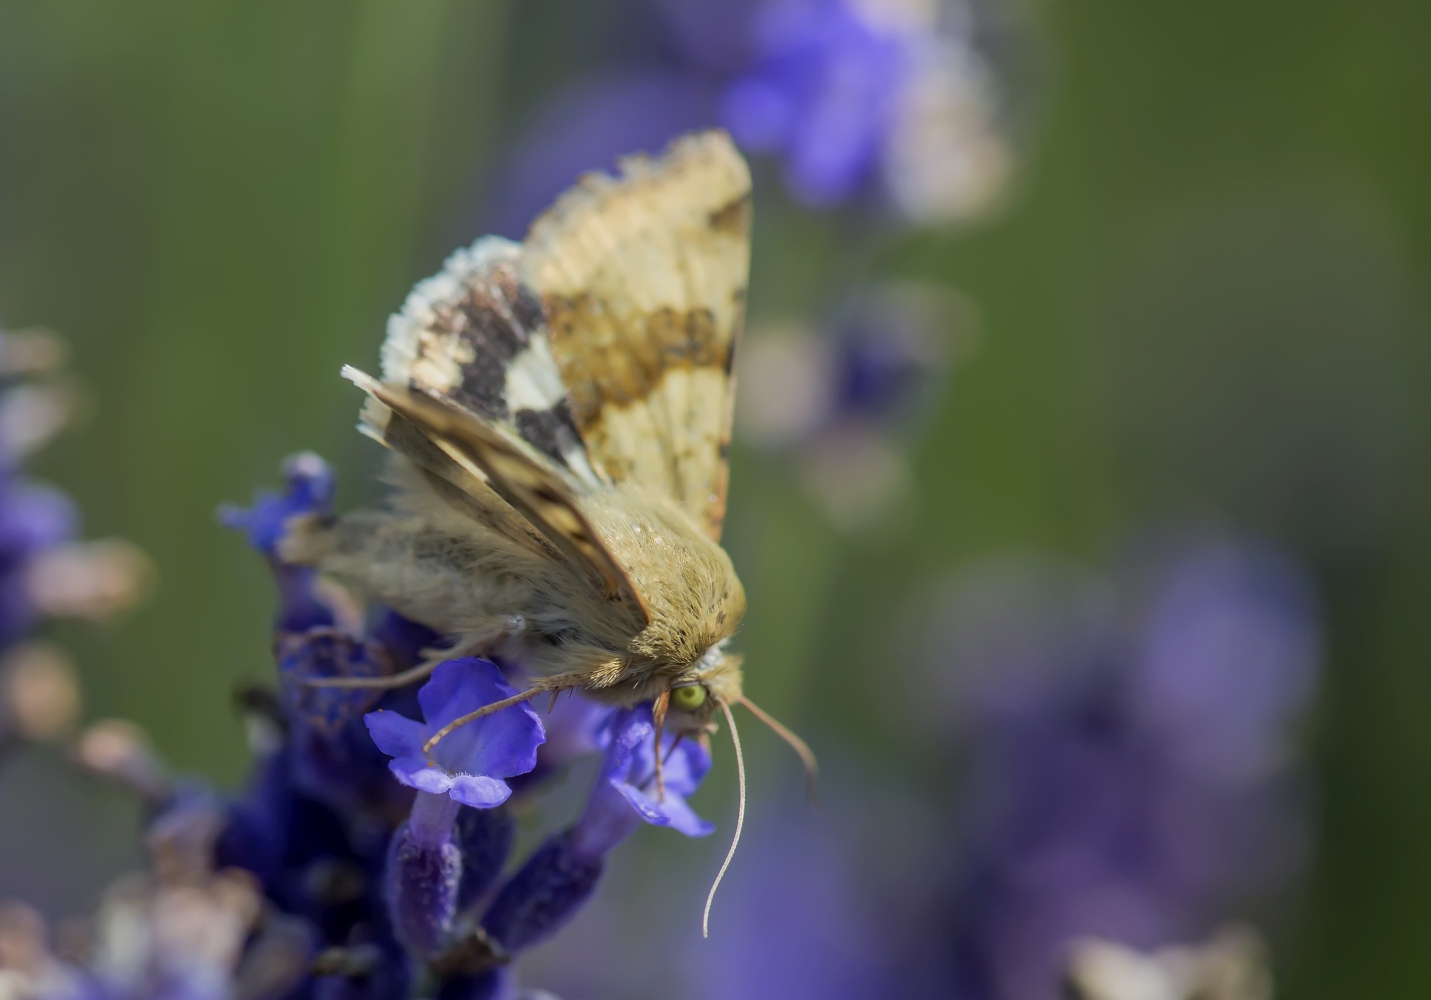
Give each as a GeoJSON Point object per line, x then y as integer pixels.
{"type": "Point", "coordinates": [698, 691]}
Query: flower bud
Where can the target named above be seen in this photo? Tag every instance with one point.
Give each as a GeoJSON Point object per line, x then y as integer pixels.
{"type": "Point", "coordinates": [544, 894]}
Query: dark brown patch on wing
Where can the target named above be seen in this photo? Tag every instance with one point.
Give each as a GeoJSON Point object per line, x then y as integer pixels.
{"type": "Point", "coordinates": [494, 322]}
{"type": "Point", "coordinates": [553, 431]}
{"type": "Point", "coordinates": [733, 217]}
{"type": "Point", "coordinates": [643, 277]}
{"type": "Point", "coordinates": [581, 334]}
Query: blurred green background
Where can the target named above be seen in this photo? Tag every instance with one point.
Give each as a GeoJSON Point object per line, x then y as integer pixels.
{"type": "Point", "coordinates": [1209, 297]}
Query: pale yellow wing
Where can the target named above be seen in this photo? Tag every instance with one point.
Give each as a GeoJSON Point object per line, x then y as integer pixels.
{"type": "Point", "coordinates": [642, 278]}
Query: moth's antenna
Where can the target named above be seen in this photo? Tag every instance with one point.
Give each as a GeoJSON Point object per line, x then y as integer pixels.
{"type": "Point", "coordinates": [739, 820]}
{"type": "Point", "coordinates": [807, 756]}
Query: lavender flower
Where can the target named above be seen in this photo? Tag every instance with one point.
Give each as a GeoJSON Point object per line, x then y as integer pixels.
{"type": "Point", "coordinates": [43, 569]}
{"type": "Point", "coordinates": [469, 763]}
{"type": "Point", "coordinates": [328, 652]}
{"type": "Point", "coordinates": [308, 494]}
{"type": "Point", "coordinates": [425, 867]}
{"type": "Point", "coordinates": [424, 873]}
{"type": "Point", "coordinates": [843, 400]}
{"type": "Point", "coordinates": [356, 864]}
{"type": "Point", "coordinates": [1128, 785]}
{"type": "Point", "coordinates": [820, 95]}
{"type": "Point", "coordinates": [846, 92]}
{"type": "Point", "coordinates": [548, 890]}
{"type": "Point", "coordinates": [320, 632]}
{"type": "Point", "coordinates": [855, 98]}
{"type": "Point", "coordinates": [626, 795]}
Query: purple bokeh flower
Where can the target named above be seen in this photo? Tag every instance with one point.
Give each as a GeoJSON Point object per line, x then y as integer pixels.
{"type": "Point", "coordinates": [1131, 776]}
{"type": "Point", "coordinates": [798, 918]}
{"type": "Point", "coordinates": [844, 399]}
{"type": "Point", "coordinates": [848, 92]}
{"type": "Point", "coordinates": [471, 761]}
{"type": "Point", "coordinates": [33, 519]}
{"type": "Point", "coordinates": [853, 98]}
{"type": "Point", "coordinates": [820, 96]}
{"type": "Point", "coordinates": [45, 572]}
{"type": "Point", "coordinates": [585, 127]}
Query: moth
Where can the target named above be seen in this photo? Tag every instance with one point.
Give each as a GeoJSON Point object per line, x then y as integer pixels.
{"type": "Point", "coordinates": [559, 414]}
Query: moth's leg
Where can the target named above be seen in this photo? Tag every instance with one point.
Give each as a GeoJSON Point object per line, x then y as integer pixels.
{"type": "Point", "coordinates": [431, 659]}
{"type": "Point", "coordinates": [410, 676]}
{"type": "Point", "coordinates": [557, 683]}
{"type": "Point", "coordinates": [659, 708]}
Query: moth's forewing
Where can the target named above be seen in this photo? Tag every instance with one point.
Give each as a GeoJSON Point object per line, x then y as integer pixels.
{"type": "Point", "coordinates": [516, 473]}
{"type": "Point", "coordinates": [643, 278]}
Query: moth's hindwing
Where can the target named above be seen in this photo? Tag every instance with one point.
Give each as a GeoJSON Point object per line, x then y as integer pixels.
{"type": "Point", "coordinates": [642, 279]}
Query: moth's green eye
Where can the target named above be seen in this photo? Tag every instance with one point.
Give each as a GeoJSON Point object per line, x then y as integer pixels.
{"type": "Point", "coordinates": [688, 698]}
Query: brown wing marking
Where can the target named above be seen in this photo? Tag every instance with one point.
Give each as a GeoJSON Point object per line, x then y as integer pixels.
{"type": "Point", "coordinates": [514, 472]}
{"type": "Point", "coordinates": [475, 337]}
{"type": "Point", "coordinates": [463, 485]}
{"type": "Point", "coordinates": [643, 279]}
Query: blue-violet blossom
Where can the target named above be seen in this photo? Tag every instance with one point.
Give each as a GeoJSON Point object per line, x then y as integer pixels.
{"type": "Point", "coordinates": [470, 762]}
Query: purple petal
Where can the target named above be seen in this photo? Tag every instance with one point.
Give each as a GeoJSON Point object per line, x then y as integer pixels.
{"type": "Point", "coordinates": [461, 686]}
{"type": "Point", "coordinates": [309, 490]}
{"type": "Point", "coordinates": [396, 735]}
{"type": "Point", "coordinates": [417, 773]}
{"type": "Point", "coordinates": [685, 767]}
{"type": "Point", "coordinates": [479, 791]}
{"type": "Point", "coordinates": [499, 745]}
{"type": "Point", "coordinates": [626, 733]}
{"type": "Point", "coordinates": [502, 745]}
{"type": "Point", "coordinates": [576, 727]}
{"type": "Point", "coordinates": [673, 812]}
